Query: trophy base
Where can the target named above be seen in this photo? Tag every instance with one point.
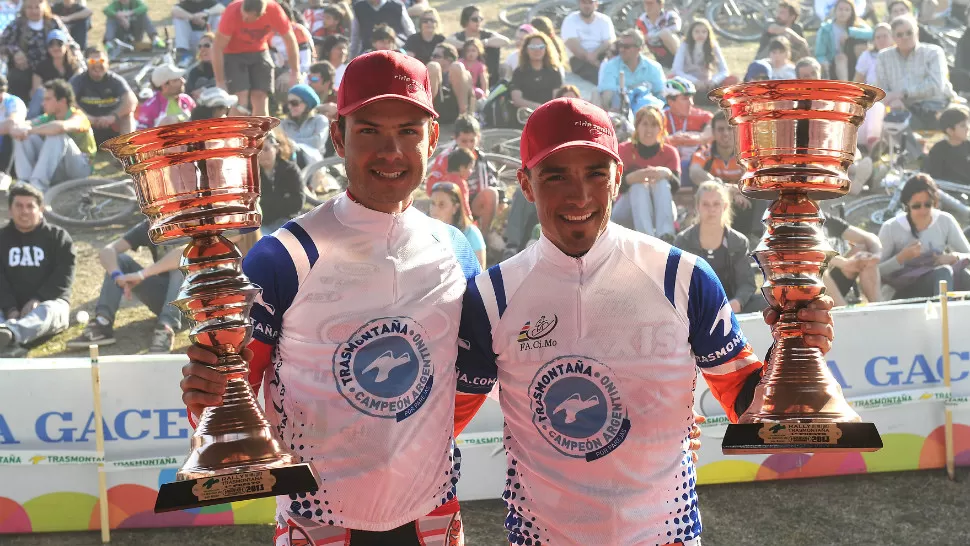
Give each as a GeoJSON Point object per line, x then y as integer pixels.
{"type": "Point", "coordinates": [795, 437]}
{"type": "Point", "coordinates": [236, 486]}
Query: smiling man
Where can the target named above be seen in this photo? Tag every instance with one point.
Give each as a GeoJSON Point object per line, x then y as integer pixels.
{"type": "Point", "coordinates": [356, 330]}
{"type": "Point", "coordinates": [594, 334]}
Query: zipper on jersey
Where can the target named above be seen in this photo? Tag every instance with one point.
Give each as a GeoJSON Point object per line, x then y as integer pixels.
{"type": "Point", "coordinates": [579, 298]}
{"type": "Point", "coordinates": [390, 256]}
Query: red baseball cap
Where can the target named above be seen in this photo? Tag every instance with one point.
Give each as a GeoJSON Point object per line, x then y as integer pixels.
{"type": "Point", "coordinates": [380, 75]}
{"type": "Point", "coordinates": [566, 123]}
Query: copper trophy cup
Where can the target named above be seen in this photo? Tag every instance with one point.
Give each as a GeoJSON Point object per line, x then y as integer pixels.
{"type": "Point", "coordinates": [796, 138]}
{"type": "Point", "coordinates": [195, 181]}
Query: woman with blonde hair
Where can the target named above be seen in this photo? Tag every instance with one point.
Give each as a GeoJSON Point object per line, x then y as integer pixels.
{"type": "Point", "coordinates": [446, 205]}
{"type": "Point", "coordinates": [651, 177]}
{"type": "Point", "coordinates": [544, 25]}
{"type": "Point", "coordinates": [201, 75]}
{"type": "Point", "coordinates": [725, 249]}
{"type": "Point", "coordinates": [538, 75]}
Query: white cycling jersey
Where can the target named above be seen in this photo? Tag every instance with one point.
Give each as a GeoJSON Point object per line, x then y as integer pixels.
{"type": "Point", "coordinates": [363, 309]}
{"type": "Point", "coordinates": [596, 361]}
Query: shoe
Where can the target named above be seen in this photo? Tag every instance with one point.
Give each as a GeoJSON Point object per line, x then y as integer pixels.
{"type": "Point", "coordinates": [159, 43]}
{"type": "Point", "coordinates": [184, 58]}
{"type": "Point", "coordinates": [5, 182]}
{"type": "Point", "coordinates": [863, 171]}
{"type": "Point", "coordinates": [98, 332]}
{"type": "Point", "coordinates": [162, 340]}
{"type": "Point", "coordinates": [6, 337]}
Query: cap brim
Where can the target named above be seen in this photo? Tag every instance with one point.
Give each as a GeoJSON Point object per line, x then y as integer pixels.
{"type": "Point", "coordinates": [350, 109]}
{"type": "Point", "coordinates": [572, 144]}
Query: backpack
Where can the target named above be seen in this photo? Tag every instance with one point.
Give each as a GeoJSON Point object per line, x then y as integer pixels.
{"type": "Point", "coordinates": [498, 109]}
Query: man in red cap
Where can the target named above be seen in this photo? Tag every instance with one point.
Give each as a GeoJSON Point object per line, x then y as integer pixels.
{"type": "Point", "coordinates": [355, 330]}
{"type": "Point", "coordinates": [595, 333]}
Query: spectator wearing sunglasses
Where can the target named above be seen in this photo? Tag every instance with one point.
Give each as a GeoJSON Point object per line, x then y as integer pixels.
{"type": "Point", "coordinates": [447, 205]}
{"type": "Point", "coordinates": [303, 126]}
{"type": "Point", "coordinates": [281, 197]}
{"type": "Point", "coordinates": [421, 44]}
{"type": "Point", "coordinates": [473, 26]}
{"type": "Point", "coordinates": [105, 97]}
{"type": "Point", "coordinates": [192, 19]}
{"type": "Point", "coordinates": [320, 79]}
{"type": "Point", "coordinates": [201, 75]}
{"type": "Point", "coordinates": [923, 246]}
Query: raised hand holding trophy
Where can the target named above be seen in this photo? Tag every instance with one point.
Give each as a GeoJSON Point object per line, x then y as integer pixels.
{"type": "Point", "coordinates": [796, 139]}
{"type": "Point", "coordinates": [197, 180]}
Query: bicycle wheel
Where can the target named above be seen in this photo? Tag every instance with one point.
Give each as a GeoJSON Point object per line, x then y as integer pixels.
{"type": "Point", "coordinates": [506, 166]}
{"type": "Point", "coordinates": [492, 140]}
{"type": "Point", "coordinates": [91, 202]}
{"type": "Point", "coordinates": [555, 10]}
{"type": "Point", "coordinates": [739, 20]}
{"type": "Point", "coordinates": [515, 15]}
{"type": "Point", "coordinates": [323, 178]}
{"type": "Point", "coordinates": [869, 212]}
{"type": "Point", "coordinates": [624, 14]}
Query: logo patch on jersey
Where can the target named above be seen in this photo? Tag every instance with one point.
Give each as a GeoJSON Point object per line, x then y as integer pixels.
{"type": "Point", "coordinates": [577, 407]}
{"type": "Point", "coordinates": [258, 300]}
{"type": "Point", "coordinates": [531, 334]}
{"type": "Point", "coordinates": [384, 369]}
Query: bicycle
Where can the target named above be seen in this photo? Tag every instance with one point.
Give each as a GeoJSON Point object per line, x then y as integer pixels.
{"type": "Point", "coordinates": [91, 202]}
{"type": "Point", "coordinates": [738, 20]}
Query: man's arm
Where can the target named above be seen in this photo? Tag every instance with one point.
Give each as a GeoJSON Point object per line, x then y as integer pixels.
{"type": "Point", "coordinates": [218, 47]}
{"type": "Point", "coordinates": [168, 262]}
{"type": "Point", "coordinates": [58, 283]}
{"type": "Point", "coordinates": [108, 256]}
{"type": "Point", "coordinates": [476, 364]}
{"type": "Point", "coordinates": [179, 13]}
{"type": "Point", "coordinates": [111, 9]}
{"type": "Point", "coordinates": [863, 238]}
{"type": "Point", "coordinates": [138, 7]}
{"type": "Point", "coordinates": [292, 54]}
{"type": "Point", "coordinates": [407, 24]}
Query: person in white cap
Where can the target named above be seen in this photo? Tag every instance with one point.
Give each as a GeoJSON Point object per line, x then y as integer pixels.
{"type": "Point", "coordinates": [214, 102]}
{"type": "Point", "coordinates": [170, 104]}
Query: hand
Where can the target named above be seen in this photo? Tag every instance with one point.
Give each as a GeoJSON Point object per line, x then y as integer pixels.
{"type": "Point", "coordinates": [913, 250]}
{"type": "Point", "coordinates": [199, 18]}
{"type": "Point", "coordinates": [20, 132]}
{"type": "Point", "coordinates": [816, 321]}
{"type": "Point", "coordinates": [946, 259]}
{"type": "Point", "coordinates": [29, 306]}
{"type": "Point", "coordinates": [695, 436]}
{"type": "Point", "coordinates": [203, 386]}
{"type": "Point", "coordinates": [129, 281]}
{"type": "Point", "coordinates": [853, 266]}
{"type": "Point", "coordinates": [328, 110]}
{"type": "Point", "coordinates": [735, 306]}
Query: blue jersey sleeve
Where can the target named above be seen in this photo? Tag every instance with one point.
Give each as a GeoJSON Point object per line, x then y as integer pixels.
{"type": "Point", "coordinates": [464, 253]}
{"type": "Point", "coordinates": [477, 370]}
{"type": "Point", "coordinates": [269, 265]}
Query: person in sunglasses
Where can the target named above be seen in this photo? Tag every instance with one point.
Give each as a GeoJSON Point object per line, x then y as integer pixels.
{"type": "Point", "coordinates": [305, 128]}
{"type": "Point", "coordinates": [923, 246]}
{"type": "Point", "coordinates": [421, 44]}
{"type": "Point", "coordinates": [104, 96]}
{"type": "Point", "coordinates": [201, 75]}
{"type": "Point", "coordinates": [595, 334]}
{"type": "Point", "coordinates": [473, 26]}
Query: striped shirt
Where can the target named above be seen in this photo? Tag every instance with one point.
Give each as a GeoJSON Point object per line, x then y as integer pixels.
{"type": "Point", "coordinates": [923, 75]}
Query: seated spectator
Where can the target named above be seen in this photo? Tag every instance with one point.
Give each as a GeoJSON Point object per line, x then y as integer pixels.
{"type": "Point", "coordinates": [725, 249]}
{"type": "Point", "coordinates": [27, 34]}
{"type": "Point", "coordinates": [56, 146]}
{"type": "Point", "coordinates": [661, 29]}
{"type": "Point", "coordinates": [451, 84]}
{"type": "Point", "coordinates": [61, 63]}
{"type": "Point", "coordinates": [201, 75]}
{"type": "Point", "coordinates": [154, 285]}
{"type": "Point", "coordinates": [105, 97]}
{"type": "Point", "coordinates": [334, 50]}
{"type": "Point", "coordinates": [758, 71]}
{"type": "Point", "coordinates": [77, 17]}
{"type": "Point", "coordinates": [327, 20]}
{"type": "Point", "coordinates": [779, 56]}
{"type": "Point", "coordinates": [544, 25]}
{"type": "Point", "coordinates": [305, 128]}
{"type": "Point", "coordinates": [281, 196]}
{"type": "Point", "coordinates": [20, 77]}
{"type": "Point", "coordinates": [370, 13]}
{"type": "Point", "coordinates": [687, 126]}
{"type": "Point", "coordinates": [320, 80]}
{"type": "Point", "coordinates": [923, 246]}
{"type": "Point", "coordinates": [538, 76]}
{"type": "Point", "coordinates": [446, 206]}
{"type": "Point", "coordinates": [914, 75]}
{"type": "Point", "coordinates": [567, 92]}
{"type": "Point", "coordinates": [838, 38]}
{"type": "Point", "coordinates": [483, 195]}
{"type": "Point", "coordinates": [13, 112]}
{"type": "Point", "coordinates": [128, 21]}
{"type": "Point", "coordinates": [896, 8]}
{"type": "Point", "coordinates": [638, 71]}
{"type": "Point", "coordinates": [650, 178]}
{"type": "Point", "coordinates": [36, 274]}
{"type": "Point", "coordinates": [459, 164]}
{"type": "Point", "coordinates": [588, 35]}
{"type": "Point", "coordinates": [384, 39]}
{"type": "Point", "coordinates": [421, 44]}
{"type": "Point", "coordinates": [169, 104]}
{"type": "Point", "coordinates": [858, 268]}
{"type": "Point", "coordinates": [512, 61]}
{"type": "Point", "coordinates": [192, 20]}
{"type": "Point", "coordinates": [785, 24]}
{"type": "Point", "coordinates": [865, 67]}
{"type": "Point", "coordinates": [808, 68]}
{"type": "Point", "coordinates": [949, 159]}
{"type": "Point", "coordinates": [473, 26]}
{"type": "Point", "coordinates": [699, 59]}
{"type": "Point", "coordinates": [304, 47]}
{"type": "Point", "coordinates": [214, 102]}
{"type": "Point", "coordinates": [471, 59]}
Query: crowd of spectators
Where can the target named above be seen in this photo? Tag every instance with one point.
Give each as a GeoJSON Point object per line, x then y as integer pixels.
{"type": "Point", "coordinates": [60, 99]}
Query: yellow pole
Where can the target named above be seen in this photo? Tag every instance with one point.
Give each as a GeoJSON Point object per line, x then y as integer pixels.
{"type": "Point", "coordinates": [99, 443]}
{"type": "Point", "coordinates": [948, 430]}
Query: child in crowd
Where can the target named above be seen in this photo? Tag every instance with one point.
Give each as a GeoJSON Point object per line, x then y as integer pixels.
{"type": "Point", "coordinates": [779, 56]}
{"type": "Point", "coordinates": [471, 58]}
{"type": "Point", "coordinates": [949, 159]}
{"type": "Point", "coordinates": [461, 161]}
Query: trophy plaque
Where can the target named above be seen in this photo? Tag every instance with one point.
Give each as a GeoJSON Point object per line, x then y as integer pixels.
{"type": "Point", "coordinates": [796, 139]}
{"type": "Point", "coordinates": [194, 181]}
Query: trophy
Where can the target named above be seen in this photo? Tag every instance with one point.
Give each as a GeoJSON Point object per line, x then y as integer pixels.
{"type": "Point", "coordinates": [796, 139]}
{"type": "Point", "coordinates": [195, 181]}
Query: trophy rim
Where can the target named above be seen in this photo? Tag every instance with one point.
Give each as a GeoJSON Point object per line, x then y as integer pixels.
{"type": "Point", "coordinates": [166, 136]}
{"type": "Point", "coordinates": [778, 89]}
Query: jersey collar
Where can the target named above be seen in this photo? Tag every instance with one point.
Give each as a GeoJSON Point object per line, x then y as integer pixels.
{"type": "Point", "coordinates": [597, 254]}
{"type": "Point", "coordinates": [354, 215]}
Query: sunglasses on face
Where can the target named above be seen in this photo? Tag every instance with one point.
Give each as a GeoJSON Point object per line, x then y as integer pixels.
{"type": "Point", "coordinates": [537, 46]}
{"type": "Point", "coordinates": [428, 21]}
{"type": "Point", "coordinates": [627, 46]}
{"type": "Point", "coordinates": [95, 62]}
{"type": "Point", "coordinates": [476, 19]}
{"type": "Point", "coordinates": [917, 206]}
{"type": "Point", "coordinates": [315, 79]}
{"type": "Point", "coordinates": [444, 186]}
{"type": "Point", "coordinates": [205, 45]}
{"type": "Point", "coordinates": [905, 34]}
{"type": "Point", "coordinates": [294, 103]}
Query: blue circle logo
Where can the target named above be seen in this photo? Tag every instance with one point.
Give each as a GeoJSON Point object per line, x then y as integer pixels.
{"type": "Point", "coordinates": [577, 407]}
{"type": "Point", "coordinates": [384, 369]}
